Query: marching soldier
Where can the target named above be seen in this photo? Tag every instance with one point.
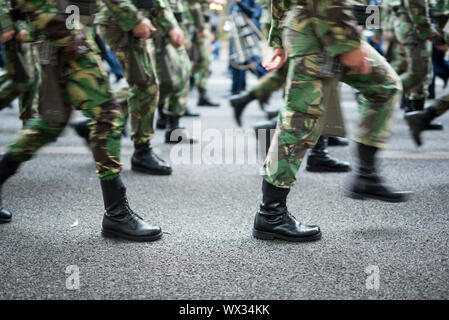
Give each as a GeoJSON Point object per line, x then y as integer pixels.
{"type": "Point", "coordinates": [420, 120]}
{"type": "Point", "coordinates": [22, 72]}
{"type": "Point", "coordinates": [317, 33]}
{"type": "Point", "coordinates": [174, 69]}
{"type": "Point", "coordinates": [201, 46]}
{"type": "Point", "coordinates": [73, 77]}
{"type": "Point", "coordinates": [414, 31]}
{"type": "Point", "coordinates": [319, 159]}
{"type": "Point", "coordinates": [143, 96]}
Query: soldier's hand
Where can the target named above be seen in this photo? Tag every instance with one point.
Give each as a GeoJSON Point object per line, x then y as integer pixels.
{"type": "Point", "coordinates": [7, 36]}
{"type": "Point", "coordinates": [202, 34]}
{"type": "Point", "coordinates": [434, 35]}
{"type": "Point", "coordinates": [76, 48]}
{"type": "Point", "coordinates": [357, 60]}
{"type": "Point", "coordinates": [143, 29]}
{"type": "Point", "coordinates": [177, 37]}
{"type": "Point", "coordinates": [20, 37]}
{"type": "Point", "coordinates": [277, 60]}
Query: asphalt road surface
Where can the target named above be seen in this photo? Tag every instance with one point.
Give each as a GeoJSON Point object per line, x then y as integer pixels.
{"type": "Point", "coordinates": [369, 250]}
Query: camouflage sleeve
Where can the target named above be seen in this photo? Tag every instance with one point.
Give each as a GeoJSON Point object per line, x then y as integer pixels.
{"type": "Point", "coordinates": [197, 15]}
{"type": "Point", "coordinates": [278, 10]}
{"type": "Point", "coordinates": [6, 23]}
{"type": "Point", "coordinates": [335, 25]}
{"type": "Point", "coordinates": [163, 16]}
{"type": "Point", "coordinates": [126, 14]}
{"type": "Point", "coordinates": [418, 12]}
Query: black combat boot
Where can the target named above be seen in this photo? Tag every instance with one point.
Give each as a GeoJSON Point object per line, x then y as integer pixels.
{"type": "Point", "coordinates": [190, 113]}
{"type": "Point", "coordinates": [81, 128]}
{"type": "Point", "coordinates": [177, 134]}
{"type": "Point", "coordinates": [418, 121]}
{"type": "Point", "coordinates": [119, 220]}
{"type": "Point", "coordinates": [146, 161]}
{"type": "Point", "coordinates": [239, 103]}
{"type": "Point", "coordinates": [8, 167]}
{"type": "Point", "coordinates": [367, 184]}
{"type": "Point", "coordinates": [273, 221]}
{"type": "Point", "coordinates": [418, 105]}
{"type": "Point", "coordinates": [319, 159]}
{"type": "Point", "coordinates": [334, 141]}
{"type": "Point", "coordinates": [161, 122]}
{"type": "Point", "coordinates": [205, 101]}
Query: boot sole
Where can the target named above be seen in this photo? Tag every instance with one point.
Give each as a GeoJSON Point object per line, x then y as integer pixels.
{"type": "Point", "coordinates": [152, 172]}
{"type": "Point", "coordinates": [327, 169]}
{"type": "Point", "coordinates": [115, 234]}
{"type": "Point", "coordinates": [5, 220]}
{"type": "Point", "coordinates": [364, 196]}
{"type": "Point", "coordinates": [262, 235]}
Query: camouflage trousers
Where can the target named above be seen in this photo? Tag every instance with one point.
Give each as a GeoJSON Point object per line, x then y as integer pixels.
{"type": "Point", "coordinates": [174, 69]}
{"type": "Point", "coordinates": [417, 77]}
{"type": "Point", "coordinates": [300, 119]}
{"type": "Point", "coordinates": [13, 86]}
{"type": "Point", "coordinates": [201, 67]}
{"type": "Point", "coordinates": [269, 83]}
{"type": "Point", "coordinates": [83, 85]}
{"type": "Point", "coordinates": [143, 94]}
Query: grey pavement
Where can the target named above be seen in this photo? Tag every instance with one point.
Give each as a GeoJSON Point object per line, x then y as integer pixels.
{"type": "Point", "coordinates": [206, 211]}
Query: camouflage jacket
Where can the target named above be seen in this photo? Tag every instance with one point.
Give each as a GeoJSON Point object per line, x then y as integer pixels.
{"type": "Point", "coordinates": [418, 13]}
{"type": "Point", "coordinates": [6, 24]}
{"type": "Point", "coordinates": [161, 16]}
{"type": "Point", "coordinates": [321, 24]}
{"type": "Point", "coordinates": [195, 14]}
{"type": "Point", "coordinates": [44, 16]}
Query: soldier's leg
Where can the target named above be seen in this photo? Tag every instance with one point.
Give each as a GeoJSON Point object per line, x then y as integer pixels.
{"type": "Point", "coordinates": [88, 90]}
{"type": "Point", "coordinates": [175, 100]}
{"type": "Point", "coordinates": [143, 97]}
{"type": "Point", "coordinates": [271, 82]}
{"type": "Point", "coordinates": [28, 101]}
{"type": "Point", "coordinates": [419, 121]}
{"type": "Point", "coordinates": [11, 84]}
{"type": "Point", "coordinates": [380, 92]}
{"type": "Point", "coordinates": [415, 78]}
{"type": "Point", "coordinates": [298, 129]}
{"type": "Point", "coordinates": [201, 71]}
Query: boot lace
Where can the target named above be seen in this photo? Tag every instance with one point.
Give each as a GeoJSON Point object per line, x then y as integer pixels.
{"type": "Point", "coordinates": [132, 214]}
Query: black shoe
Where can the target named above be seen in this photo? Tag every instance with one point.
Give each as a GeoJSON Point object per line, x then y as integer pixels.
{"type": "Point", "coordinates": [81, 128]}
{"type": "Point", "coordinates": [146, 161]}
{"type": "Point", "coordinates": [320, 161]}
{"type": "Point", "coordinates": [8, 167]}
{"type": "Point", "coordinates": [273, 221]}
{"type": "Point", "coordinates": [5, 215]}
{"type": "Point", "coordinates": [418, 121]}
{"type": "Point", "coordinates": [119, 220]}
{"type": "Point", "coordinates": [161, 123]}
{"type": "Point", "coordinates": [177, 134]}
{"type": "Point", "coordinates": [334, 141]}
{"type": "Point", "coordinates": [370, 186]}
{"type": "Point", "coordinates": [271, 114]}
{"type": "Point", "coordinates": [205, 101]}
{"type": "Point", "coordinates": [418, 105]}
{"type": "Point", "coordinates": [366, 184]}
{"type": "Point", "coordinates": [190, 113]}
{"type": "Point", "coordinates": [239, 103]}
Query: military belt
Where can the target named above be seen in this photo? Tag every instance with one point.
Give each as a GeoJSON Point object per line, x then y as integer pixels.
{"type": "Point", "coordinates": [144, 4]}
{"type": "Point", "coordinates": [179, 16]}
{"type": "Point", "coordinates": [17, 15]}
